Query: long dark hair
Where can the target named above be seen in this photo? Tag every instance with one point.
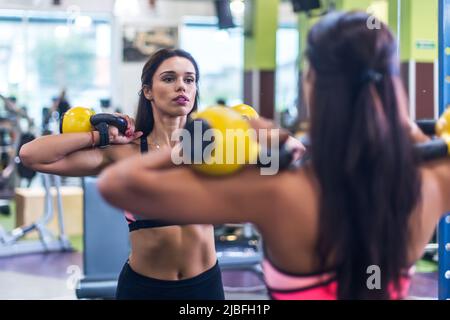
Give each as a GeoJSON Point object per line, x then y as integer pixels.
{"type": "Point", "coordinates": [361, 154]}
{"type": "Point", "coordinates": [144, 117]}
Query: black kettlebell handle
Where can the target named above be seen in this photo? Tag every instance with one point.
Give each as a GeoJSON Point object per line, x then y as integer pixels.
{"type": "Point", "coordinates": [433, 149]}
{"type": "Point", "coordinates": [111, 120]}
{"type": "Point", "coordinates": [428, 126]}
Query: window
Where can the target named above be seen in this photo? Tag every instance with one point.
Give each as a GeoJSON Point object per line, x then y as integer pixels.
{"type": "Point", "coordinates": [287, 68]}
{"type": "Point", "coordinates": [219, 54]}
{"type": "Point", "coordinates": [220, 57]}
{"type": "Point", "coordinates": [42, 54]}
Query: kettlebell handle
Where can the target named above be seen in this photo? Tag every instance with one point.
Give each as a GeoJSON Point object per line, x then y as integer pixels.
{"type": "Point", "coordinates": [110, 119]}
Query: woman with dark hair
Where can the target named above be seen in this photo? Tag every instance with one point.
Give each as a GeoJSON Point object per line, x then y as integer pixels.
{"type": "Point", "coordinates": [363, 208]}
{"type": "Point", "coordinates": [166, 261]}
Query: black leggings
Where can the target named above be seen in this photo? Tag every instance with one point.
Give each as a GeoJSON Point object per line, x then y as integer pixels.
{"type": "Point", "coordinates": [205, 286]}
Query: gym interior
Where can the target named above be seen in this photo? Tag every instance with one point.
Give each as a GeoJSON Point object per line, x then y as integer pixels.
{"type": "Point", "coordinates": [59, 239]}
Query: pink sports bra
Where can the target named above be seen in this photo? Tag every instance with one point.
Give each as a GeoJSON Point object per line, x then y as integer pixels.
{"type": "Point", "coordinates": [314, 286]}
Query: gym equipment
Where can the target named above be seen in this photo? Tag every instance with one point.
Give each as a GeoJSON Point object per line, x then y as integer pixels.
{"type": "Point", "coordinates": [443, 124]}
{"type": "Point", "coordinates": [231, 145]}
{"type": "Point", "coordinates": [440, 146]}
{"type": "Point", "coordinates": [8, 146]}
{"type": "Point", "coordinates": [9, 241]}
{"type": "Point", "coordinates": [77, 119]}
{"type": "Point", "coordinates": [80, 119]}
{"type": "Point", "coordinates": [12, 137]}
{"type": "Point", "coordinates": [231, 136]}
{"type": "Point", "coordinates": [105, 242]}
{"type": "Point", "coordinates": [23, 171]}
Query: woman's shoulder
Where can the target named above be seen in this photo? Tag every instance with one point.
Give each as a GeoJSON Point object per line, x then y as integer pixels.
{"type": "Point", "coordinates": [299, 179]}
{"type": "Point", "coordinates": [436, 184]}
{"type": "Point", "coordinates": [437, 171]}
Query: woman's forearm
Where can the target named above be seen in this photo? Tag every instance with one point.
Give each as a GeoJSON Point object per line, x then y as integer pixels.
{"type": "Point", "coordinates": [119, 179]}
{"type": "Point", "coordinates": [49, 149]}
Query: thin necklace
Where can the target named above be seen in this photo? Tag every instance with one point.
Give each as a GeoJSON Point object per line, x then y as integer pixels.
{"type": "Point", "coordinates": [156, 145]}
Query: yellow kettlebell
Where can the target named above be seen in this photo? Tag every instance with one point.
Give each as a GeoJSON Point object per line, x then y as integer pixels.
{"type": "Point", "coordinates": [80, 119]}
{"type": "Point", "coordinates": [246, 111]}
{"type": "Point", "coordinates": [77, 119]}
{"type": "Point", "coordinates": [443, 124]}
{"type": "Point", "coordinates": [443, 127]}
{"type": "Point", "coordinates": [234, 143]}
